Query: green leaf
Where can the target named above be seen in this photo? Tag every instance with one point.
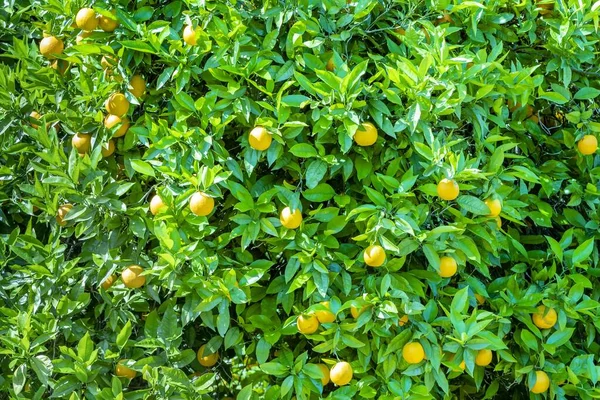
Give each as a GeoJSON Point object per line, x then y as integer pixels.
{"type": "Point", "coordinates": [142, 167]}
{"type": "Point", "coordinates": [138, 45]}
{"type": "Point", "coordinates": [322, 192]}
{"type": "Point", "coordinates": [303, 150]}
{"type": "Point", "coordinates": [124, 335]}
{"type": "Point", "coordinates": [583, 251]}
{"type": "Point", "coordinates": [586, 93]}
{"type": "Point", "coordinates": [473, 204]}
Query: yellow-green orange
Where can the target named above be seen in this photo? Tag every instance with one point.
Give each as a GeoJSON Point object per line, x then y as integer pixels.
{"type": "Point", "coordinates": [341, 373]}
{"type": "Point", "coordinates": [588, 145]}
{"type": "Point", "coordinates": [81, 142]}
{"type": "Point", "coordinates": [447, 189]}
{"type": "Point", "coordinates": [112, 120]}
{"type": "Point", "coordinates": [123, 371]}
{"type": "Point", "coordinates": [495, 207]}
{"type": "Point", "coordinates": [545, 317]}
{"type": "Point", "coordinates": [132, 278]}
{"type": "Point", "coordinates": [366, 134]}
{"type": "Point", "coordinates": [157, 204]}
{"type": "Point", "coordinates": [542, 382]}
{"type": "Point", "coordinates": [51, 46]}
{"type": "Point", "coordinates": [205, 359]}
{"type": "Point", "coordinates": [484, 357]}
{"type": "Point", "coordinates": [117, 104]}
{"type": "Point", "coordinates": [413, 352]}
{"type": "Point", "coordinates": [374, 255]}
{"type": "Point", "coordinates": [259, 138]}
{"type": "Point", "coordinates": [290, 219]}
{"type": "Point", "coordinates": [201, 204]}
{"type": "Point", "coordinates": [307, 324]}
{"type": "Point", "coordinates": [448, 267]}
{"type": "Point", "coordinates": [86, 19]}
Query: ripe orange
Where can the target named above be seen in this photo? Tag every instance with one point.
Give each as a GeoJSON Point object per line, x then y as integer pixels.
{"type": "Point", "coordinates": [207, 360]}
{"type": "Point", "coordinates": [189, 35]}
{"type": "Point", "coordinates": [356, 312]}
{"type": "Point", "coordinates": [108, 61]}
{"type": "Point", "coordinates": [448, 267]}
{"type": "Point", "coordinates": [117, 104]}
{"type": "Point", "coordinates": [484, 357]}
{"type": "Point", "coordinates": [108, 24]}
{"type": "Point", "coordinates": [137, 86]}
{"type": "Point", "coordinates": [325, 316]}
{"type": "Point", "coordinates": [60, 66]}
{"type": "Point", "coordinates": [201, 204]}
{"type": "Point", "coordinates": [108, 282]}
{"type": "Point", "coordinates": [51, 46]}
{"type": "Point", "coordinates": [447, 189]}
{"type": "Point", "coordinates": [542, 382]}
{"type": "Point", "coordinates": [588, 145]}
{"type": "Point", "coordinates": [307, 324]}
{"type": "Point", "coordinates": [545, 317]}
{"type": "Point", "coordinates": [132, 278]}
{"type": "Point", "coordinates": [259, 139]}
{"type": "Point", "coordinates": [123, 371]}
{"type": "Point", "coordinates": [82, 36]}
{"type": "Point", "coordinates": [81, 142]}
{"type": "Point", "coordinates": [403, 320]}
{"type": "Point", "coordinates": [86, 19]}
{"type": "Point", "coordinates": [325, 372]}
{"type": "Point", "coordinates": [108, 148]}
{"type": "Point", "coordinates": [413, 352]}
{"type": "Point", "coordinates": [366, 134]}
{"type": "Point", "coordinates": [289, 219]}
{"type": "Point", "coordinates": [157, 205]}
{"type": "Point", "coordinates": [341, 373]}
{"type": "Point", "coordinates": [495, 207]}
{"type": "Point", "coordinates": [374, 255]}
{"type": "Point", "coordinates": [112, 120]}
{"type": "Point", "coordinates": [62, 213]}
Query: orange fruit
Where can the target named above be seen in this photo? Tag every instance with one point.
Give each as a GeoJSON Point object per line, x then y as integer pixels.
{"type": "Point", "coordinates": [108, 282]}
{"type": "Point", "coordinates": [60, 66]}
{"type": "Point", "coordinates": [325, 372]}
{"type": "Point", "coordinates": [35, 115]}
{"type": "Point", "coordinates": [546, 7]}
{"type": "Point", "coordinates": [82, 36]}
{"type": "Point", "coordinates": [51, 46]}
{"type": "Point", "coordinates": [325, 316]}
{"type": "Point", "coordinates": [374, 255]}
{"type": "Point", "coordinates": [341, 373]}
{"type": "Point", "coordinates": [307, 324]}
{"type": "Point", "coordinates": [542, 382]}
{"type": "Point", "coordinates": [587, 145]}
{"type": "Point", "coordinates": [289, 219]}
{"type": "Point", "coordinates": [108, 61]}
{"type": "Point", "coordinates": [499, 222]}
{"type": "Point", "coordinates": [62, 213]}
{"type": "Point", "coordinates": [259, 139]}
{"type": "Point", "coordinates": [124, 372]}
{"type": "Point", "coordinates": [207, 360]}
{"type": "Point", "coordinates": [86, 19]}
{"type": "Point", "coordinates": [484, 357]}
{"type": "Point", "coordinates": [545, 317]}
{"type": "Point", "coordinates": [447, 189]}
{"type": "Point", "coordinates": [108, 24]}
{"type": "Point", "coordinates": [201, 204]}
{"type": "Point", "coordinates": [403, 320]}
{"type": "Point", "coordinates": [189, 35]}
{"type": "Point", "coordinates": [81, 142]}
{"type": "Point", "coordinates": [480, 299]}
{"type": "Point", "coordinates": [366, 134]}
{"type": "Point", "coordinates": [413, 352]}
{"type": "Point", "coordinates": [137, 86]}
{"type": "Point", "coordinates": [157, 205]}
{"type": "Point", "coordinates": [108, 148]}
{"type": "Point", "coordinates": [117, 104]}
{"type": "Point", "coordinates": [356, 312]}
{"type": "Point", "coordinates": [495, 207]}
{"type": "Point", "coordinates": [132, 278]}
{"type": "Point", "coordinates": [112, 120]}
{"type": "Point", "coordinates": [448, 267]}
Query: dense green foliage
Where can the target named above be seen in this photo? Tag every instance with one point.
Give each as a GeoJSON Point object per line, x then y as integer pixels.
{"type": "Point", "coordinates": [494, 95]}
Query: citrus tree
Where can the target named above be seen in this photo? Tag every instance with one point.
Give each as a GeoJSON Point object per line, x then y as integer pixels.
{"type": "Point", "coordinates": [299, 199]}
